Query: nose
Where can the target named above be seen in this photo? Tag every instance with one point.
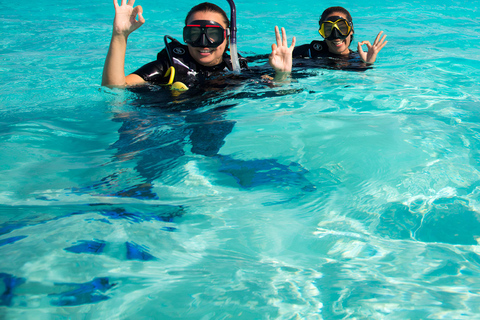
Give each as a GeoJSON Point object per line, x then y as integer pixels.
{"type": "Point", "coordinates": [204, 40]}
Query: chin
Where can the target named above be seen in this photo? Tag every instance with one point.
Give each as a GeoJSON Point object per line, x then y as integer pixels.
{"type": "Point", "coordinates": [207, 61]}
{"type": "Point", "coordinates": [210, 60]}
{"type": "Point", "coordinates": [338, 50]}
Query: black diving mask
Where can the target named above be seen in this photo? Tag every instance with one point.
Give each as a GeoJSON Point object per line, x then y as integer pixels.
{"type": "Point", "coordinates": [335, 28]}
{"type": "Point", "coordinates": [204, 34]}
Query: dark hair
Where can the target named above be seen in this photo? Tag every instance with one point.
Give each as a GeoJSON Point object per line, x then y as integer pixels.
{"type": "Point", "coordinates": [208, 7]}
{"type": "Point", "coordinates": [331, 10]}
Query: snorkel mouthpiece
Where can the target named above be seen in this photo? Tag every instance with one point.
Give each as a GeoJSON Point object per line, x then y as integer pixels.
{"type": "Point", "coordinates": [233, 37]}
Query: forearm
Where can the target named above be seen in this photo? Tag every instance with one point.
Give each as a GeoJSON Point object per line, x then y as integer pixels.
{"type": "Point", "coordinates": [114, 68]}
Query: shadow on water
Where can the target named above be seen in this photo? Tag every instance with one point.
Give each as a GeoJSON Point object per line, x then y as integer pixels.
{"type": "Point", "coordinates": [162, 127]}
{"type": "Point", "coordinates": [60, 294]}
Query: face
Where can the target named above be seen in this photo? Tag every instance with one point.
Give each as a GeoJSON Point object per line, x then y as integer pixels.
{"type": "Point", "coordinates": [208, 56]}
{"type": "Point", "coordinates": [338, 46]}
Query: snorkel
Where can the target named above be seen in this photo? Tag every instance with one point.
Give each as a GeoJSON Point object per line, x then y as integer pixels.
{"type": "Point", "coordinates": [233, 37]}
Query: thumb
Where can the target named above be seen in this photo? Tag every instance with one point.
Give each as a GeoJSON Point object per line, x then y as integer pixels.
{"type": "Point", "coordinates": [293, 43]}
{"type": "Point", "coordinates": [274, 48]}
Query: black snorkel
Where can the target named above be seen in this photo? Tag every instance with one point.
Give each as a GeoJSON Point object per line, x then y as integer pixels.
{"type": "Point", "coordinates": [233, 37]}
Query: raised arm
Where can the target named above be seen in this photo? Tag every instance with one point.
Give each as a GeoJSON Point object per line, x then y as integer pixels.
{"type": "Point", "coordinates": [281, 57]}
{"type": "Point", "coordinates": [125, 22]}
{"type": "Point", "coordinates": [373, 50]}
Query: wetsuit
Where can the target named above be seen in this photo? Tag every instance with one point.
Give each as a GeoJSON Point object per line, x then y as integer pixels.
{"type": "Point", "coordinates": [316, 54]}
{"type": "Point", "coordinates": [187, 70]}
{"type": "Point", "coordinates": [313, 50]}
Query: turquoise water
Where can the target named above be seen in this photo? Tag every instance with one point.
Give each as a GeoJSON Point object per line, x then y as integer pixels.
{"type": "Point", "coordinates": [342, 195]}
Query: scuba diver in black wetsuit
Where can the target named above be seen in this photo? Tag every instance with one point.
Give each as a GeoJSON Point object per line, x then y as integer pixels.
{"type": "Point", "coordinates": [206, 32]}
{"type": "Point", "coordinates": [156, 139]}
{"type": "Point", "coordinates": [336, 27]}
{"type": "Point", "coordinates": [164, 131]}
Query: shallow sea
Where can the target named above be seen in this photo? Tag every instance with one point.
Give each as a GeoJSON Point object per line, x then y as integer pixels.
{"type": "Point", "coordinates": [339, 195]}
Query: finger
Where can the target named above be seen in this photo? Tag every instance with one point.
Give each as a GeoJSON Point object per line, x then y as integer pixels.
{"type": "Point", "coordinates": [293, 43]}
{"type": "Point", "coordinates": [378, 37]}
{"type": "Point", "coordinates": [130, 2]}
{"type": "Point", "coordinates": [124, 2]}
{"type": "Point", "coordinates": [382, 45]}
{"type": "Point", "coordinates": [383, 39]}
{"type": "Point", "coordinates": [359, 47]}
{"type": "Point", "coordinates": [137, 10]}
{"type": "Point", "coordinates": [115, 4]}
{"type": "Point", "coordinates": [284, 37]}
{"type": "Point", "coordinates": [277, 36]}
{"type": "Point", "coordinates": [369, 45]}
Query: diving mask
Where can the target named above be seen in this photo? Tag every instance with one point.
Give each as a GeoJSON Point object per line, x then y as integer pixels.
{"type": "Point", "coordinates": [335, 28]}
{"type": "Point", "coordinates": [204, 34]}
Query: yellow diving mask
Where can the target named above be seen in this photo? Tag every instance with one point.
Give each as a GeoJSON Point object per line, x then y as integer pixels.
{"type": "Point", "coordinates": [335, 28]}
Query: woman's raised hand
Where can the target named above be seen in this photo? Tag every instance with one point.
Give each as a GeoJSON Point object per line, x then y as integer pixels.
{"type": "Point", "coordinates": [281, 57]}
{"type": "Point", "coordinates": [373, 50]}
{"type": "Point", "coordinates": [125, 21]}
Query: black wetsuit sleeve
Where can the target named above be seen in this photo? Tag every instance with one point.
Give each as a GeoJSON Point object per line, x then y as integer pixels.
{"type": "Point", "coordinates": [155, 70]}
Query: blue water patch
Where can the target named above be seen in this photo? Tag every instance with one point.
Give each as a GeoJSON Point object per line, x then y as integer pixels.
{"type": "Point", "coordinates": [18, 217]}
{"type": "Point", "coordinates": [260, 172]}
{"type": "Point", "coordinates": [10, 282]}
{"type": "Point", "coordinates": [83, 293]}
{"type": "Point", "coordinates": [86, 246]}
{"type": "Point", "coordinates": [135, 214]}
{"type": "Point", "coordinates": [138, 252]}
{"type": "Point", "coordinates": [169, 229]}
{"type": "Point", "coordinates": [10, 226]}
{"type": "Point", "coordinates": [447, 221]}
{"type": "Point", "coordinates": [165, 213]}
{"type": "Point", "coordinates": [11, 240]}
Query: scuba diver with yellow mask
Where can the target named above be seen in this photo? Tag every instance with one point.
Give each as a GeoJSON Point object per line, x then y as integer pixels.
{"type": "Point", "coordinates": [336, 27]}
{"type": "Point", "coordinates": [207, 31]}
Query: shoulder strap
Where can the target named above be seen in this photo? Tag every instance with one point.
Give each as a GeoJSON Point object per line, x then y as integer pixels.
{"type": "Point", "coordinates": [174, 49]}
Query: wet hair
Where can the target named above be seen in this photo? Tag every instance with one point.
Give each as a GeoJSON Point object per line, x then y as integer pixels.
{"type": "Point", "coordinates": [331, 10]}
{"type": "Point", "coordinates": [208, 7]}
